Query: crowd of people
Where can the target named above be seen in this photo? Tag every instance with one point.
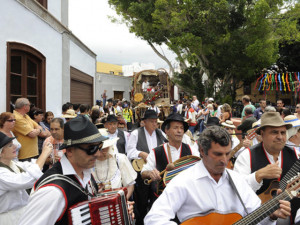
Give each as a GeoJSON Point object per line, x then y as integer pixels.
{"type": "Point", "coordinates": [50, 162]}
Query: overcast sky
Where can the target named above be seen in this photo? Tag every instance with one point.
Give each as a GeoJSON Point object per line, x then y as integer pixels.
{"type": "Point", "coordinates": [112, 43]}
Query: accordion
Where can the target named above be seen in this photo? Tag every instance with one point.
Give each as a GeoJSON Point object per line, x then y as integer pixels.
{"type": "Point", "coordinates": [108, 208]}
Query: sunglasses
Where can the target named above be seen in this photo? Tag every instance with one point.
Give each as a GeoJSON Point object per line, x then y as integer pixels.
{"type": "Point", "coordinates": [13, 120]}
{"type": "Point", "coordinates": [92, 149]}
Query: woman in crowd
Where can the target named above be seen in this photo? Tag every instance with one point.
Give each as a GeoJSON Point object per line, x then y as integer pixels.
{"type": "Point", "coordinates": [47, 119]}
{"type": "Point", "coordinates": [226, 113]}
{"type": "Point", "coordinates": [37, 115]}
{"type": "Point", "coordinates": [113, 170]}
{"type": "Point", "coordinates": [7, 123]}
{"type": "Point", "coordinates": [95, 115]}
{"type": "Point", "coordinates": [15, 178]}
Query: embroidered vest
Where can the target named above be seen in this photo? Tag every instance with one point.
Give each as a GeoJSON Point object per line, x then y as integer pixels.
{"type": "Point", "coordinates": [260, 160]}
{"type": "Point", "coordinates": [72, 194]}
{"type": "Point", "coordinates": [142, 141]}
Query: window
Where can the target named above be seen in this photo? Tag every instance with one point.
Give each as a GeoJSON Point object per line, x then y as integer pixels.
{"type": "Point", "coordinates": [111, 72]}
{"type": "Point", "coordinates": [43, 3]}
{"type": "Point", "coordinates": [25, 75]}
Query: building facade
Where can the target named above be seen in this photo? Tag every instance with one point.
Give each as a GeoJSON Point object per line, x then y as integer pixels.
{"type": "Point", "coordinates": [40, 57]}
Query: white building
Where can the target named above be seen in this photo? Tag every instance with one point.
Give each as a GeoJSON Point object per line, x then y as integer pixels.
{"type": "Point", "coordinates": [40, 57]}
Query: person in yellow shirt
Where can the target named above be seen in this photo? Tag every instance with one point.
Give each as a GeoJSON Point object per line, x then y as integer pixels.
{"type": "Point", "coordinates": [26, 130]}
{"type": "Point", "coordinates": [128, 116]}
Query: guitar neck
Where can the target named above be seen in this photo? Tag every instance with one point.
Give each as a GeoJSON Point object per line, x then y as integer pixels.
{"type": "Point", "coordinates": [265, 210]}
{"type": "Point", "coordinates": [292, 172]}
{"type": "Point", "coordinates": [235, 150]}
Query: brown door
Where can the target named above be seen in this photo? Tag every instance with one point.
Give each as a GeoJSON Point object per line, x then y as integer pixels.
{"type": "Point", "coordinates": [81, 87]}
{"type": "Point", "coordinates": [118, 95]}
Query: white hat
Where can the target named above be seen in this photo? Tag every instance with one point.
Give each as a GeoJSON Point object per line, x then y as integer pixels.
{"type": "Point", "coordinates": [108, 142]}
{"type": "Point", "coordinates": [228, 123]}
{"type": "Point", "coordinates": [293, 120]}
{"type": "Point", "coordinates": [210, 99]}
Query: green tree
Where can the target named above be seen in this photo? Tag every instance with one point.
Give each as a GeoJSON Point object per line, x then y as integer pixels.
{"type": "Point", "coordinates": [228, 40]}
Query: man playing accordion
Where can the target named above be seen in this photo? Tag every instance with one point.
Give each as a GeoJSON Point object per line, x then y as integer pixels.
{"type": "Point", "coordinates": [69, 181]}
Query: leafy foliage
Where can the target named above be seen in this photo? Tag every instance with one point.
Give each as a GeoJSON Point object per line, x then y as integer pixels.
{"type": "Point", "coordinates": [228, 40]}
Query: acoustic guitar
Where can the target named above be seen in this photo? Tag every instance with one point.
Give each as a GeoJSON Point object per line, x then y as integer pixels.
{"type": "Point", "coordinates": [250, 135]}
{"type": "Point", "coordinates": [214, 218]}
{"type": "Point", "coordinates": [272, 189]}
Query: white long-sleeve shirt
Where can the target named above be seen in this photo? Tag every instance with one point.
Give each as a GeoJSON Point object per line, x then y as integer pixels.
{"type": "Point", "coordinates": [175, 154]}
{"type": "Point", "coordinates": [132, 152]}
{"type": "Point", "coordinates": [12, 185]}
{"type": "Point", "coordinates": [195, 192]}
{"type": "Point", "coordinates": [242, 166]}
{"type": "Point", "coordinates": [47, 204]}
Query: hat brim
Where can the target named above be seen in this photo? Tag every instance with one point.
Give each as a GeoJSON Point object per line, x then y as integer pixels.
{"type": "Point", "coordinates": [6, 141]}
{"type": "Point", "coordinates": [109, 142]}
{"type": "Point", "coordinates": [98, 138]}
{"type": "Point", "coordinates": [287, 125]}
{"type": "Point", "coordinates": [185, 125]}
{"type": "Point", "coordinates": [150, 117]}
{"type": "Point", "coordinates": [228, 125]}
{"type": "Point", "coordinates": [68, 116]}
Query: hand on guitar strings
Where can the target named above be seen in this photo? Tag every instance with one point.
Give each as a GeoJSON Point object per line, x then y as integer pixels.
{"type": "Point", "coordinates": [270, 171]}
{"type": "Point", "coordinates": [144, 156]}
{"type": "Point", "coordinates": [284, 210]}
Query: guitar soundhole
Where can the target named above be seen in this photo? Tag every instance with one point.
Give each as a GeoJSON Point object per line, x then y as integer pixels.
{"type": "Point", "coordinates": [274, 193]}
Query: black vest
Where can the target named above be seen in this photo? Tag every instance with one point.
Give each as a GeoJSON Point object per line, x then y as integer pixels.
{"type": "Point", "coordinates": [121, 143]}
{"type": "Point", "coordinates": [142, 141]}
{"type": "Point", "coordinates": [71, 193]}
{"type": "Point", "coordinates": [260, 160]}
{"type": "Point", "coordinates": [162, 159]}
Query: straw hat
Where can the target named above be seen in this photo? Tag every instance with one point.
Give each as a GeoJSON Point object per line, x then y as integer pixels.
{"type": "Point", "coordinates": [292, 120]}
{"type": "Point", "coordinates": [228, 123]}
{"type": "Point", "coordinates": [256, 124]}
{"type": "Point", "coordinates": [272, 119]}
{"type": "Point", "coordinates": [69, 114]}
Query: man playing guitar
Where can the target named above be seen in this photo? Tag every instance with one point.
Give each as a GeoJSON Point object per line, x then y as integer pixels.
{"type": "Point", "coordinates": [209, 186]}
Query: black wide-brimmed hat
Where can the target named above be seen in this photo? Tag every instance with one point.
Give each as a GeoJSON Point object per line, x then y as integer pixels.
{"type": "Point", "coordinates": [81, 130]}
{"type": "Point", "coordinates": [211, 121]}
{"type": "Point", "coordinates": [150, 114]}
{"type": "Point", "coordinates": [110, 118]}
{"type": "Point", "coordinates": [174, 117]}
{"type": "Point", "coordinates": [4, 140]}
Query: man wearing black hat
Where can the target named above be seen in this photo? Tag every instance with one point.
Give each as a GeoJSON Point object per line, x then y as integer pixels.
{"type": "Point", "coordinates": [69, 181]}
{"type": "Point", "coordinates": [175, 127]}
{"type": "Point", "coordinates": [111, 124]}
{"type": "Point", "coordinates": [141, 142]}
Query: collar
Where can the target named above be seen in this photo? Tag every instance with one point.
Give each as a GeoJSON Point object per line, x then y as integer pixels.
{"type": "Point", "coordinates": [202, 172]}
{"type": "Point", "coordinates": [147, 133]}
{"type": "Point", "coordinates": [19, 114]}
{"type": "Point", "coordinates": [173, 148]}
{"type": "Point", "coordinates": [68, 169]}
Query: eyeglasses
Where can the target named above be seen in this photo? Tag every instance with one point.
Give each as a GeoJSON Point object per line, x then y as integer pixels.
{"type": "Point", "coordinates": [13, 120]}
{"type": "Point", "coordinates": [92, 149]}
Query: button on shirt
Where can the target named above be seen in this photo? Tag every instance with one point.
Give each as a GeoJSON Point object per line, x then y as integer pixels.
{"type": "Point", "coordinates": [195, 192]}
{"type": "Point", "coordinates": [47, 204]}
{"type": "Point", "coordinates": [175, 153]}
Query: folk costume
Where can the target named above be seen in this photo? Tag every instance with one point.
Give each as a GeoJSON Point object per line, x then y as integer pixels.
{"type": "Point", "coordinates": [141, 140]}
{"type": "Point", "coordinates": [60, 187]}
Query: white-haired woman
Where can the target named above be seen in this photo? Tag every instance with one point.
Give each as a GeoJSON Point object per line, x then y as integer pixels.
{"type": "Point", "coordinates": [15, 178]}
{"type": "Point", "coordinates": [293, 134]}
{"type": "Point", "coordinates": [114, 170]}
